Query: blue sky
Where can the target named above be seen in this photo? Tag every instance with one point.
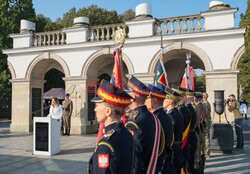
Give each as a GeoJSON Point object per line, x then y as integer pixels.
{"type": "Point", "coordinates": [160, 9]}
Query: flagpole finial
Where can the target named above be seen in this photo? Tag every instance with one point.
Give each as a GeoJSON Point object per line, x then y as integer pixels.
{"type": "Point", "coordinates": [119, 36]}
{"type": "Point", "coordinates": [188, 56]}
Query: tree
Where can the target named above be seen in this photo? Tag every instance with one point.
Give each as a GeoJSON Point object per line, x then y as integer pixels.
{"type": "Point", "coordinates": [244, 63]}
{"type": "Point", "coordinates": [11, 13]}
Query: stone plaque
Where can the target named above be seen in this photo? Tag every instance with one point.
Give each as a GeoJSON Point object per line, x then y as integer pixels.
{"type": "Point", "coordinates": [42, 136]}
{"type": "Point", "coordinates": [36, 102]}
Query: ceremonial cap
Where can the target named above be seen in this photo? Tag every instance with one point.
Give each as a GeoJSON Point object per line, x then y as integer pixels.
{"type": "Point", "coordinates": [172, 94]}
{"type": "Point", "coordinates": [112, 94]}
{"type": "Point", "coordinates": [198, 95]}
{"type": "Point", "coordinates": [67, 94]}
{"type": "Point", "coordinates": [138, 87]}
{"type": "Point", "coordinates": [157, 92]}
{"type": "Point", "coordinates": [178, 89]}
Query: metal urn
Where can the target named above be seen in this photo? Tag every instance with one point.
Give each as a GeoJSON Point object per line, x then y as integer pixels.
{"type": "Point", "coordinates": [220, 142]}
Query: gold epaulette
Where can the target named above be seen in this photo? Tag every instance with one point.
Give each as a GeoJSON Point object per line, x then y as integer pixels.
{"type": "Point", "coordinates": [108, 134]}
{"type": "Point", "coordinates": [134, 114]}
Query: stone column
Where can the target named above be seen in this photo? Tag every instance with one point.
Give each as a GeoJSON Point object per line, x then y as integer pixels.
{"type": "Point", "coordinates": [21, 113]}
{"type": "Point", "coordinates": [21, 106]}
{"type": "Point", "coordinates": [77, 88]}
{"type": "Point", "coordinates": [221, 80]}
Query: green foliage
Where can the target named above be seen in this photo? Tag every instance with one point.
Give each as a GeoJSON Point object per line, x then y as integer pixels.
{"type": "Point", "coordinates": [11, 13]}
{"type": "Point", "coordinates": [244, 63]}
{"type": "Point", "coordinates": [199, 83]}
{"type": "Point", "coordinates": [96, 15]}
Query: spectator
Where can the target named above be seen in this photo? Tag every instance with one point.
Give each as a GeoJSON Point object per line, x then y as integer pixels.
{"type": "Point", "coordinates": [233, 106]}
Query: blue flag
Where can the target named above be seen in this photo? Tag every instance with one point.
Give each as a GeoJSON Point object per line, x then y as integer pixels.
{"type": "Point", "coordinates": [161, 75]}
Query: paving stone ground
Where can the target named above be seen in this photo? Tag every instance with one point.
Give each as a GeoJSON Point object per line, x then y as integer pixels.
{"type": "Point", "coordinates": [16, 156]}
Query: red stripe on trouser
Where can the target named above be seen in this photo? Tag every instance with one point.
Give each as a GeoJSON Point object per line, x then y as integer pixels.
{"type": "Point", "coordinates": [152, 165]}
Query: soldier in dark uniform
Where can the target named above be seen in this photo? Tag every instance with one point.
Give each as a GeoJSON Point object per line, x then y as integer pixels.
{"type": "Point", "coordinates": [187, 121]}
{"type": "Point", "coordinates": [172, 98]}
{"type": "Point", "coordinates": [199, 108]}
{"type": "Point", "coordinates": [145, 129]}
{"type": "Point", "coordinates": [154, 104]}
{"type": "Point", "coordinates": [187, 98]}
{"type": "Point", "coordinates": [114, 152]}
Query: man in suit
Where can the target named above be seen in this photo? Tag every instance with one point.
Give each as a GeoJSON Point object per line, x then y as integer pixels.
{"type": "Point", "coordinates": [67, 111]}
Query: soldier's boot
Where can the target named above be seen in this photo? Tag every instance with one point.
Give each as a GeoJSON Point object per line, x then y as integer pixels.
{"type": "Point", "coordinates": [68, 132]}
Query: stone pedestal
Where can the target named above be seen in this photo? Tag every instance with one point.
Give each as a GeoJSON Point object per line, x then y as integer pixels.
{"type": "Point", "coordinates": [46, 136]}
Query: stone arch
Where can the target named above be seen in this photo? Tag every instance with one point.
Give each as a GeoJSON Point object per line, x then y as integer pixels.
{"type": "Point", "coordinates": [101, 52]}
{"type": "Point", "coordinates": [12, 70]}
{"type": "Point", "coordinates": [236, 58]}
{"type": "Point", "coordinates": [47, 56]}
{"type": "Point", "coordinates": [182, 45]}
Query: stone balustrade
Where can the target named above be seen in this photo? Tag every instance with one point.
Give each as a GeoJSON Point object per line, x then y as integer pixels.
{"type": "Point", "coordinates": [178, 25]}
{"type": "Point", "coordinates": [105, 32]}
{"type": "Point", "coordinates": [49, 38]}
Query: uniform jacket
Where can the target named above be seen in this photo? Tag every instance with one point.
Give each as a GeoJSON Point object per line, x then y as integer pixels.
{"type": "Point", "coordinates": [178, 131]}
{"type": "Point", "coordinates": [167, 134]}
{"type": "Point", "coordinates": [142, 127]}
{"type": "Point", "coordinates": [67, 107]}
{"type": "Point", "coordinates": [114, 152]}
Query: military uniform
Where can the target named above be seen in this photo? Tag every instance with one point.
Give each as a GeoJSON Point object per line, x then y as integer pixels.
{"type": "Point", "coordinates": [142, 126]}
{"type": "Point", "coordinates": [192, 140]}
{"type": "Point", "coordinates": [178, 156]}
{"type": "Point", "coordinates": [187, 119]}
{"type": "Point", "coordinates": [207, 128]}
{"type": "Point", "coordinates": [199, 155]}
{"type": "Point", "coordinates": [164, 164]}
{"type": "Point", "coordinates": [67, 111]}
{"type": "Point", "coordinates": [164, 160]}
{"type": "Point", "coordinates": [113, 154]}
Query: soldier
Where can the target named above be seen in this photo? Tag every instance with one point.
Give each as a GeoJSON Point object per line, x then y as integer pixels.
{"type": "Point", "coordinates": [145, 129]}
{"type": "Point", "coordinates": [154, 103]}
{"type": "Point", "coordinates": [170, 102]}
{"type": "Point", "coordinates": [208, 124]}
{"type": "Point", "coordinates": [67, 111]}
{"type": "Point", "coordinates": [114, 152]}
{"type": "Point", "coordinates": [188, 118]}
{"type": "Point", "coordinates": [192, 140]}
{"type": "Point", "coordinates": [200, 113]}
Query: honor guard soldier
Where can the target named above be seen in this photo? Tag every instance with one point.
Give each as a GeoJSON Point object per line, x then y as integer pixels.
{"type": "Point", "coordinates": [200, 157]}
{"type": "Point", "coordinates": [208, 124]}
{"type": "Point", "coordinates": [187, 98]}
{"type": "Point", "coordinates": [154, 103]}
{"type": "Point", "coordinates": [170, 102]}
{"type": "Point", "coordinates": [114, 152]}
{"type": "Point", "coordinates": [187, 122]}
{"type": "Point", "coordinates": [67, 112]}
{"type": "Point", "coordinates": [145, 129]}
